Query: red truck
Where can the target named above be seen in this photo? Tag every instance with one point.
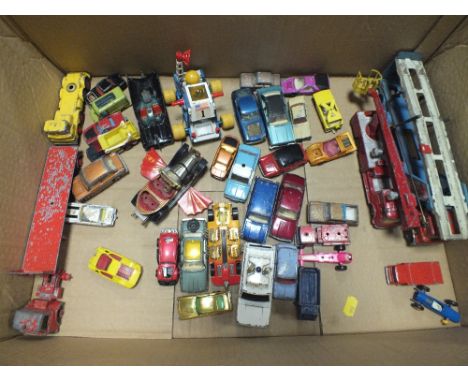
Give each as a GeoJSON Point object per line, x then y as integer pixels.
{"type": "Point", "coordinates": [422, 273]}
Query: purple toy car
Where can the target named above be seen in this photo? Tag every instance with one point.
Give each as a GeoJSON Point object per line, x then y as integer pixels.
{"type": "Point", "coordinates": [305, 84]}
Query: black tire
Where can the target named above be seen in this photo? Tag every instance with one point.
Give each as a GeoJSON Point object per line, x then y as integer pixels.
{"type": "Point", "coordinates": [423, 288]}
{"type": "Point", "coordinates": [212, 270]}
{"type": "Point", "coordinates": [417, 306]}
{"type": "Point", "coordinates": [339, 248]}
{"type": "Point", "coordinates": [238, 267]}
{"type": "Point", "coordinates": [235, 213]}
{"type": "Point", "coordinates": [210, 215]}
{"type": "Point", "coordinates": [193, 225]}
{"type": "Point", "coordinates": [341, 268]}
{"type": "Point", "coordinates": [157, 250]}
{"type": "Point", "coordinates": [451, 302]}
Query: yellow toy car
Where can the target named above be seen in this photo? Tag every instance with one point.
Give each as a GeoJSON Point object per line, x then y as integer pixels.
{"type": "Point", "coordinates": [115, 267]}
{"type": "Point", "coordinates": [63, 129]}
{"type": "Point", "coordinates": [224, 244]}
{"type": "Point", "coordinates": [122, 136]}
{"type": "Point", "coordinates": [204, 305]}
{"type": "Point", "coordinates": [321, 152]}
{"type": "Point", "coordinates": [327, 110]}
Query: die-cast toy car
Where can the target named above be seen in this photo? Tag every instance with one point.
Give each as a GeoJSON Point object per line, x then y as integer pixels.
{"type": "Point", "coordinates": [421, 299]}
{"type": "Point", "coordinates": [283, 159]}
{"type": "Point", "coordinates": [104, 86]}
{"type": "Point", "coordinates": [285, 285]}
{"type": "Point", "coordinates": [249, 119]}
{"type": "Point", "coordinates": [327, 110]}
{"type": "Point", "coordinates": [224, 157]}
{"type": "Point", "coordinates": [167, 255]}
{"type": "Point", "coordinates": [299, 120]}
{"type": "Point", "coordinates": [206, 304]}
{"type": "Point", "coordinates": [305, 84]}
{"type": "Point", "coordinates": [337, 147]}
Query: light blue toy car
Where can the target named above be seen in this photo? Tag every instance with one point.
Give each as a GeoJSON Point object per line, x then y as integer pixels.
{"type": "Point", "coordinates": [240, 179]}
{"type": "Point", "coordinates": [276, 116]}
{"type": "Point", "coordinates": [258, 216]}
{"type": "Point", "coordinates": [285, 284]}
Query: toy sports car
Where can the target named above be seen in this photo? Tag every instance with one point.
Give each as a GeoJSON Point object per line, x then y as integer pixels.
{"type": "Point", "coordinates": [327, 110]}
{"type": "Point", "coordinates": [224, 158]}
{"type": "Point", "coordinates": [259, 211]}
{"type": "Point", "coordinates": [249, 119]}
{"type": "Point", "coordinates": [167, 255]}
{"type": "Point", "coordinates": [104, 86]}
{"type": "Point", "coordinates": [288, 207]}
{"type": "Point", "coordinates": [298, 114]}
{"type": "Point", "coordinates": [114, 267]}
{"type": "Point", "coordinates": [150, 110]}
{"type": "Point", "coordinates": [108, 103]}
{"type": "Point", "coordinates": [276, 116]}
{"type": "Point", "coordinates": [337, 147]}
{"type": "Point", "coordinates": [240, 179]}
{"type": "Point", "coordinates": [285, 285]}
{"type": "Point", "coordinates": [284, 159]}
{"type": "Point", "coordinates": [202, 305]}
{"type": "Point", "coordinates": [256, 285]}
{"type": "Point", "coordinates": [224, 244]}
{"type": "Point", "coordinates": [193, 261]}
{"type": "Point", "coordinates": [305, 84]}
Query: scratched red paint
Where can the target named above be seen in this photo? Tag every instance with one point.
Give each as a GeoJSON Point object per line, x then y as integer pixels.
{"type": "Point", "coordinates": [45, 235]}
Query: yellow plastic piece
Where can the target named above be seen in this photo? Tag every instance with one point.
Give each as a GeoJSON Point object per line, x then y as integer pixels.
{"type": "Point", "coordinates": [192, 77]}
{"type": "Point", "coordinates": [178, 131]}
{"type": "Point", "coordinates": [63, 129]}
{"type": "Point", "coordinates": [169, 96]}
{"type": "Point", "coordinates": [119, 137]}
{"type": "Point", "coordinates": [350, 306]}
{"type": "Point", "coordinates": [227, 121]}
{"type": "Point", "coordinates": [121, 270]}
{"type": "Point", "coordinates": [216, 86]}
{"type": "Point", "coordinates": [361, 84]}
{"type": "Point", "coordinates": [327, 110]}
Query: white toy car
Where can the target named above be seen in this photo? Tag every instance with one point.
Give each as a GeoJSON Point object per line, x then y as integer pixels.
{"type": "Point", "coordinates": [256, 285]}
{"type": "Point", "coordinates": [91, 214]}
{"type": "Point", "coordinates": [259, 79]}
{"type": "Point", "coordinates": [298, 113]}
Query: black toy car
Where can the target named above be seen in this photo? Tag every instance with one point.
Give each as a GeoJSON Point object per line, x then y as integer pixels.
{"type": "Point", "coordinates": [150, 111]}
{"type": "Point", "coordinates": [308, 294]}
{"type": "Point", "coordinates": [105, 85]}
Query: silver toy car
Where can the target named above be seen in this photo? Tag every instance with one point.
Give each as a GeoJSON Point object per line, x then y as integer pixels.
{"type": "Point", "coordinates": [91, 214]}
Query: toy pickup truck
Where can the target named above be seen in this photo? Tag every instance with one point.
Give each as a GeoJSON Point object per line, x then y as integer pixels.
{"type": "Point", "coordinates": [308, 294]}
{"type": "Point", "coordinates": [421, 273]}
{"type": "Point", "coordinates": [330, 213]}
{"type": "Point", "coordinates": [328, 234]}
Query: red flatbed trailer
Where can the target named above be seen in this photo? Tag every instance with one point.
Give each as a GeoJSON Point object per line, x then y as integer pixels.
{"type": "Point", "coordinates": [421, 273]}
{"type": "Point", "coordinates": [45, 234]}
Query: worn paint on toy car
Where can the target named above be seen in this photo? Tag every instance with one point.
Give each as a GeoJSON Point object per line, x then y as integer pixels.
{"type": "Point", "coordinates": [283, 159]}
{"type": "Point", "coordinates": [285, 284]}
{"type": "Point", "coordinates": [224, 157]}
{"type": "Point", "coordinates": [202, 305]}
{"type": "Point", "coordinates": [339, 257]}
{"type": "Point", "coordinates": [249, 119]}
{"type": "Point", "coordinates": [337, 147]}
{"type": "Point", "coordinates": [329, 234]}
{"type": "Point", "coordinates": [167, 255]}
{"type": "Point", "coordinates": [331, 213]}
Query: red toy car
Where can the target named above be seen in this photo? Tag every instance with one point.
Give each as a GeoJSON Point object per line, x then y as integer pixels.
{"type": "Point", "coordinates": [168, 257]}
{"type": "Point", "coordinates": [288, 207]}
{"type": "Point", "coordinates": [330, 234]}
{"type": "Point", "coordinates": [338, 257]}
{"type": "Point", "coordinates": [422, 273]}
{"type": "Point", "coordinates": [285, 159]}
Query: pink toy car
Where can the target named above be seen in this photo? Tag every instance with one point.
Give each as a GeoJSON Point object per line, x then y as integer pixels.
{"type": "Point", "coordinates": [305, 84]}
{"type": "Point", "coordinates": [330, 234]}
{"type": "Point", "coordinates": [338, 257]}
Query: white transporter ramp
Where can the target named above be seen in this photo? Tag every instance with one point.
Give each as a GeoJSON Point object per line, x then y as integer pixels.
{"type": "Point", "coordinates": [256, 285]}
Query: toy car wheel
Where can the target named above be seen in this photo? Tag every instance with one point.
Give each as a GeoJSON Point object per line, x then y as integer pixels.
{"type": "Point", "coordinates": [178, 131]}
{"type": "Point", "coordinates": [169, 96]}
{"type": "Point", "coordinates": [227, 121]}
{"type": "Point", "coordinates": [417, 306]}
{"type": "Point", "coordinates": [210, 215]}
{"type": "Point", "coordinates": [157, 251]}
{"type": "Point", "coordinates": [193, 225]}
{"type": "Point", "coordinates": [212, 270]}
{"type": "Point", "coordinates": [235, 213]}
{"type": "Point", "coordinates": [451, 302]}
{"type": "Point", "coordinates": [444, 321]}
{"type": "Point", "coordinates": [423, 288]}
{"type": "Point", "coordinates": [216, 86]}
{"type": "Point", "coordinates": [238, 267]}
{"type": "Point", "coordinates": [339, 248]}
{"type": "Point", "coordinates": [341, 268]}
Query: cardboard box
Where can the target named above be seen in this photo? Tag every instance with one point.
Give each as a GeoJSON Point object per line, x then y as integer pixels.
{"type": "Point", "coordinates": [34, 54]}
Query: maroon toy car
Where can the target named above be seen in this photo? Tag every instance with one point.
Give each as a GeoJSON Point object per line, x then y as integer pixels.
{"type": "Point", "coordinates": [329, 234]}
{"type": "Point", "coordinates": [285, 159]}
{"type": "Point", "coordinates": [288, 207]}
{"type": "Point", "coordinates": [422, 273]}
{"type": "Point", "coordinates": [168, 257]}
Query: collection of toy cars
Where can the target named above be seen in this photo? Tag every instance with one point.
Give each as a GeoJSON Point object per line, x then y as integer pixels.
{"type": "Point", "coordinates": [221, 249]}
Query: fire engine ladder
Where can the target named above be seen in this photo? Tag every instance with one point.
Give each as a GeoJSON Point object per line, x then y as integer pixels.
{"type": "Point", "coordinates": [438, 158]}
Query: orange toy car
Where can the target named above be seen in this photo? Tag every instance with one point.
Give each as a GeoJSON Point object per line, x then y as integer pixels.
{"type": "Point", "coordinates": [224, 158]}
{"type": "Point", "coordinates": [321, 152]}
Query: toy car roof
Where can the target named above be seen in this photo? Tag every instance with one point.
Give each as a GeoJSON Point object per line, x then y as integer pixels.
{"type": "Point", "coordinates": [288, 155]}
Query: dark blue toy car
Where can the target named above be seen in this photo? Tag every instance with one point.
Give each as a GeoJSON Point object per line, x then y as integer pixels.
{"type": "Point", "coordinates": [421, 299]}
{"type": "Point", "coordinates": [308, 294]}
{"type": "Point", "coordinates": [259, 211]}
{"type": "Point", "coordinates": [248, 116]}
{"type": "Point", "coordinates": [285, 284]}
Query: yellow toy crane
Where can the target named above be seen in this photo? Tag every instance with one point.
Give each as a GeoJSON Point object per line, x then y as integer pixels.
{"type": "Point", "coordinates": [361, 84]}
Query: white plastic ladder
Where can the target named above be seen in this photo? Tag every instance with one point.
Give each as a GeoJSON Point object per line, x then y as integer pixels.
{"type": "Point", "coordinates": [422, 105]}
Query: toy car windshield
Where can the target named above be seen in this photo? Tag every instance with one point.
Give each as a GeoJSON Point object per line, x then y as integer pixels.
{"type": "Point", "coordinates": [276, 108]}
{"type": "Point", "coordinates": [289, 155]}
{"type": "Point", "coordinates": [249, 115]}
{"type": "Point", "coordinates": [259, 219]}
{"type": "Point", "coordinates": [287, 214]}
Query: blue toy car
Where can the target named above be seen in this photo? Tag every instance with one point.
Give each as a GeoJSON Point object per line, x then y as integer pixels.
{"type": "Point", "coordinates": [308, 294]}
{"type": "Point", "coordinates": [248, 116]}
{"type": "Point", "coordinates": [276, 116]}
{"type": "Point", "coordinates": [259, 211]}
{"type": "Point", "coordinates": [285, 284]}
{"type": "Point", "coordinates": [240, 179]}
{"type": "Point", "coordinates": [422, 300]}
